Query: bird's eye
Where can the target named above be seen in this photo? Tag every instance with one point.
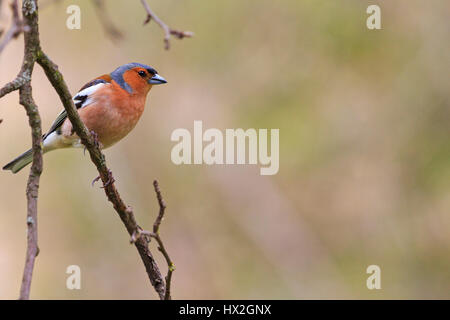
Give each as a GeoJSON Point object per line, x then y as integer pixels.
{"type": "Point", "coordinates": [142, 73]}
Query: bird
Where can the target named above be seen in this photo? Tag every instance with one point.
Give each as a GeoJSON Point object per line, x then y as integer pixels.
{"type": "Point", "coordinates": [110, 107]}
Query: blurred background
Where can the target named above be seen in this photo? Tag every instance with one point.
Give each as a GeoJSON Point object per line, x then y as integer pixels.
{"type": "Point", "coordinates": [364, 152]}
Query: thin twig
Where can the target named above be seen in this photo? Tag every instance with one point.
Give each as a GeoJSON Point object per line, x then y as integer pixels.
{"type": "Point", "coordinates": [16, 26]}
{"type": "Point", "coordinates": [162, 207]}
{"type": "Point", "coordinates": [167, 30]}
{"type": "Point", "coordinates": [139, 233]}
{"type": "Point", "coordinates": [22, 78]}
{"type": "Point", "coordinates": [156, 236]}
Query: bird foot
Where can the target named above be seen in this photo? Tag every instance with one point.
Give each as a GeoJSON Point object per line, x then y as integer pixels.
{"type": "Point", "coordinates": [94, 181]}
{"type": "Point", "coordinates": [96, 142]}
{"type": "Point", "coordinates": [110, 180]}
{"type": "Point", "coordinates": [95, 137]}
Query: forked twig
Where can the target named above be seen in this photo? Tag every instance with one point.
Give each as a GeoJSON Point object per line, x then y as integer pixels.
{"type": "Point", "coordinates": [167, 30]}
{"type": "Point", "coordinates": [16, 28]}
{"type": "Point", "coordinates": [139, 232]}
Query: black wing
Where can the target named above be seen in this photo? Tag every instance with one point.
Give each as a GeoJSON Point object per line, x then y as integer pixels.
{"type": "Point", "coordinates": [79, 101]}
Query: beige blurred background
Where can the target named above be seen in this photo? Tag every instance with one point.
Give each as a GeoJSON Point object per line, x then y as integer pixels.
{"type": "Point", "coordinates": [364, 153]}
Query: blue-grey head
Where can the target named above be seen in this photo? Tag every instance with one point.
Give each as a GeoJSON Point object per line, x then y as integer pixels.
{"type": "Point", "coordinates": [134, 77]}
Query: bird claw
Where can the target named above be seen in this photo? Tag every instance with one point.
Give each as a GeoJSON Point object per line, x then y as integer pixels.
{"type": "Point", "coordinates": [110, 180]}
{"type": "Point", "coordinates": [94, 181]}
{"type": "Point", "coordinates": [95, 137]}
{"type": "Point", "coordinates": [139, 232]}
{"type": "Point", "coordinates": [97, 144]}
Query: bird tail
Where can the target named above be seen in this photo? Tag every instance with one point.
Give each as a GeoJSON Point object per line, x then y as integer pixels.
{"type": "Point", "coordinates": [20, 162]}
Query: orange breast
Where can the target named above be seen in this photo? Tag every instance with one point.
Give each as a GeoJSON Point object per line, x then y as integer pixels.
{"type": "Point", "coordinates": [112, 115]}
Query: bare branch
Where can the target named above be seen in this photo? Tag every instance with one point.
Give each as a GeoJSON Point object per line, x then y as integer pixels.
{"type": "Point", "coordinates": [22, 82]}
{"type": "Point", "coordinates": [26, 100]}
{"type": "Point", "coordinates": [23, 77]}
{"type": "Point", "coordinates": [16, 26]}
{"type": "Point", "coordinates": [139, 233]}
{"type": "Point", "coordinates": [155, 234]}
{"type": "Point", "coordinates": [167, 30]}
{"type": "Point", "coordinates": [32, 54]}
{"type": "Point", "coordinates": [162, 207]}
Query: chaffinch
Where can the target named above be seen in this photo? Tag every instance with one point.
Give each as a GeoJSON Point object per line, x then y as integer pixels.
{"type": "Point", "coordinates": [109, 105]}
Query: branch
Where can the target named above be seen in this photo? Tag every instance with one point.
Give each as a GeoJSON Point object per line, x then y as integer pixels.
{"type": "Point", "coordinates": [23, 77]}
{"type": "Point", "coordinates": [32, 54]}
{"type": "Point", "coordinates": [16, 26]}
{"type": "Point", "coordinates": [156, 236]}
{"type": "Point", "coordinates": [22, 83]}
{"type": "Point", "coordinates": [167, 30]}
{"type": "Point", "coordinates": [26, 100]}
{"type": "Point", "coordinates": [31, 39]}
{"type": "Point", "coordinates": [97, 157]}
